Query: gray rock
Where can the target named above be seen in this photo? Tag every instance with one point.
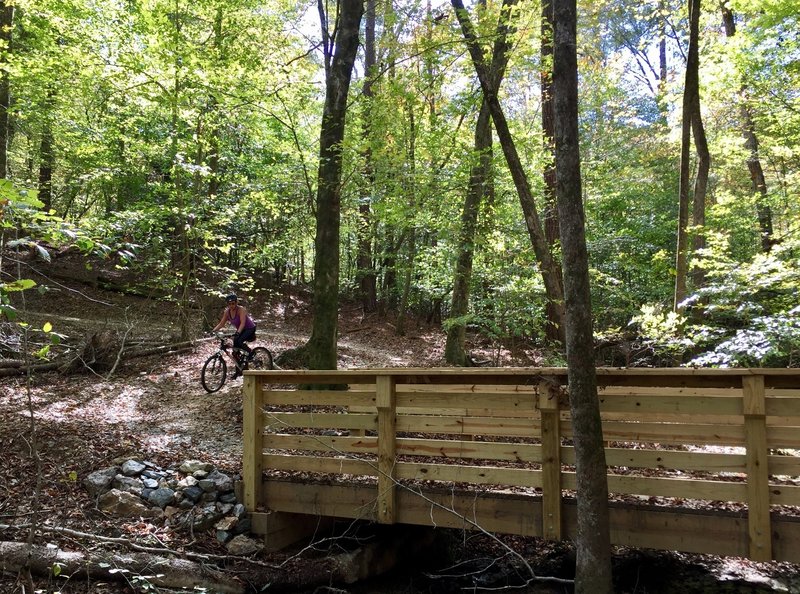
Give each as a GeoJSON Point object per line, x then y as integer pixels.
{"type": "Point", "coordinates": [225, 508]}
{"type": "Point", "coordinates": [128, 483]}
{"type": "Point", "coordinates": [239, 511]}
{"type": "Point", "coordinates": [223, 482]}
{"type": "Point", "coordinates": [186, 504]}
{"type": "Point", "coordinates": [150, 483]}
{"type": "Point", "coordinates": [228, 497]}
{"type": "Point", "coordinates": [189, 481]}
{"type": "Point", "coordinates": [192, 466]}
{"type": "Point", "coordinates": [200, 474]}
{"type": "Point", "coordinates": [132, 468]}
{"type": "Point", "coordinates": [161, 497]}
{"type": "Point", "coordinates": [153, 474]}
{"type": "Point", "coordinates": [99, 481]}
{"type": "Point", "coordinates": [208, 497]}
{"type": "Point", "coordinates": [223, 536]}
{"type": "Point", "coordinates": [243, 526]}
{"type": "Point", "coordinates": [206, 484]}
{"type": "Point", "coordinates": [227, 523]}
{"type": "Point", "coordinates": [193, 493]}
{"type": "Point", "coordinates": [243, 545]}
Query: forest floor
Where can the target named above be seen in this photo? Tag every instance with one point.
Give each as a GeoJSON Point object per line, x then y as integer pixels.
{"type": "Point", "coordinates": [154, 408]}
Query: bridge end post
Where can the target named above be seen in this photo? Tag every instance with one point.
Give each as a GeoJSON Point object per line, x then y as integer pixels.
{"type": "Point", "coordinates": [252, 442]}
{"type": "Point", "coordinates": [386, 401]}
{"type": "Point", "coordinates": [551, 461]}
{"type": "Point", "coordinates": [755, 435]}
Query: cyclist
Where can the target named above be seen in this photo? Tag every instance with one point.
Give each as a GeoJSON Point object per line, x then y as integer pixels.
{"type": "Point", "coordinates": [238, 317]}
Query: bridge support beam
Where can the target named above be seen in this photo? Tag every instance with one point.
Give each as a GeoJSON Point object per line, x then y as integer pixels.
{"type": "Point", "coordinates": [253, 445]}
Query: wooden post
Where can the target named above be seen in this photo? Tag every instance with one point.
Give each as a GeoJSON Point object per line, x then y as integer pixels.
{"type": "Point", "coordinates": [386, 400]}
{"type": "Point", "coordinates": [755, 432]}
{"type": "Point", "coordinates": [252, 441]}
{"type": "Point", "coordinates": [551, 462]}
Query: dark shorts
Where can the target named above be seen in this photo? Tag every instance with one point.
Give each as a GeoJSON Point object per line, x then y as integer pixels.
{"type": "Point", "coordinates": [246, 335]}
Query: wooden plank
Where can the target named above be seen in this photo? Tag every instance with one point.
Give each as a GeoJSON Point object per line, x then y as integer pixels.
{"type": "Point", "coordinates": [325, 465]}
{"type": "Point", "coordinates": [321, 443]}
{"type": "Point", "coordinates": [669, 433]}
{"type": "Point", "coordinates": [783, 437]}
{"type": "Point", "coordinates": [474, 475]}
{"type": "Point", "coordinates": [668, 487]}
{"type": "Point", "coordinates": [387, 445]}
{"type": "Point", "coordinates": [784, 465]}
{"type": "Point", "coordinates": [470, 450]}
{"type": "Point", "coordinates": [672, 403]}
{"type": "Point", "coordinates": [757, 468]}
{"type": "Point", "coordinates": [508, 427]}
{"type": "Point", "coordinates": [784, 495]}
{"type": "Point", "coordinates": [252, 432]}
{"type": "Point", "coordinates": [551, 462]}
{"type": "Point", "coordinates": [669, 459]}
{"type": "Point", "coordinates": [318, 398]}
{"type": "Point", "coordinates": [667, 392]}
{"type": "Point", "coordinates": [477, 400]}
{"type": "Point", "coordinates": [316, 420]}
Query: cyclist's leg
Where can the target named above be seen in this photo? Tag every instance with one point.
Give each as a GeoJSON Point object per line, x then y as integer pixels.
{"type": "Point", "coordinates": [244, 337]}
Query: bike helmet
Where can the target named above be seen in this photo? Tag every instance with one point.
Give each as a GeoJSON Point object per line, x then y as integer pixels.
{"type": "Point", "coordinates": [231, 298]}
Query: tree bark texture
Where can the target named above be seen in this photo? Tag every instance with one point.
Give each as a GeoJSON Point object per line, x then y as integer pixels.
{"type": "Point", "coordinates": [160, 572]}
{"type": "Point", "coordinates": [593, 564]}
{"type": "Point", "coordinates": [6, 25]}
{"type": "Point", "coordinates": [763, 210]}
{"type": "Point", "coordinates": [550, 271]}
{"type": "Point", "coordinates": [479, 184]}
{"type": "Point", "coordinates": [340, 56]}
{"type": "Point", "coordinates": [691, 103]}
{"type": "Point", "coordinates": [365, 273]}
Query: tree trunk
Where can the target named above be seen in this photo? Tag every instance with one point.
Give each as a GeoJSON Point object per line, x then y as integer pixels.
{"type": "Point", "coordinates": [691, 103]}
{"type": "Point", "coordinates": [593, 564]}
{"type": "Point", "coordinates": [365, 269]}
{"type": "Point", "coordinates": [479, 186]}
{"type": "Point", "coordinates": [46, 161]}
{"type": "Point", "coordinates": [554, 330]}
{"type": "Point", "coordinates": [340, 54]}
{"type": "Point", "coordinates": [763, 210]}
{"type": "Point", "coordinates": [551, 275]}
{"type": "Point", "coordinates": [6, 27]}
{"type": "Point", "coordinates": [700, 190]}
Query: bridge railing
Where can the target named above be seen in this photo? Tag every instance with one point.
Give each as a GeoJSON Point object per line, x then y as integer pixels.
{"type": "Point", "coordinates": [672, 436]}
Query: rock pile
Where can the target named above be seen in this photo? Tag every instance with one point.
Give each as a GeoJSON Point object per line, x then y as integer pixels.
{"type": "Point", "coordinates": [194, 496]}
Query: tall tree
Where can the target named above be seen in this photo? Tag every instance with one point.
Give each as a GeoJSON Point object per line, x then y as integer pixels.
{"type": "Point", "coordinates": [748, 127]}
{"type": "Point", "coordinates": [548, 265]}
{"type": "Point", "coordinates": [6, 28]}
{"type": "Point", "coordinates": [339, 44]}
{"type": "Point", "coordinates": [691, 107]}
{"type": "Point", "coordinates": [593, 565]}
{"type": "Point", "coordinates": [365, 268]}
{"type": "Point", "coordinates": [479, 186]}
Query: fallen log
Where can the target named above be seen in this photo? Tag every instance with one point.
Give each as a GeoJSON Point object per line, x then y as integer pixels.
{"type": "Point", "coordinates": [144, 567]}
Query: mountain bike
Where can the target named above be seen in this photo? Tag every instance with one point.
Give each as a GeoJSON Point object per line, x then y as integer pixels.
{"type": "Point", "coordinates": [215, 369]}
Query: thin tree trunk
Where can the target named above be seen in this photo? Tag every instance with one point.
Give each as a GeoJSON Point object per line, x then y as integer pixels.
{"type": "Point", "coordinates": [763, 210]}
{"type": "Point", "coordinates": [340, 54]}
{"type": "Point", "coordinates": [554, 330]}
{"type": "Point", "coordinates": [6, 27]}
{"type": "Point", "coordinates": [479, 186]}
{"type": "Point", "coordinates": [700, 191]}
{"type": "Point", "coordinates": [593, 563]}
{"type": "Point", "coordinates": [46, 162]}
{"type": "Point", "coordinates": [365, 269]}
{"type": "Point", "coordinates": [690, 105]}
{"type": "Point", "coordinates": [548, 267]}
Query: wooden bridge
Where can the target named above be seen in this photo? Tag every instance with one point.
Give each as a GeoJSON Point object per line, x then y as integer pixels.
{"type": "Point", "coordinates": [699, 460]}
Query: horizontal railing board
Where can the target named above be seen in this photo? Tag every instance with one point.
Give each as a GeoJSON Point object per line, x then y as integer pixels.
{"type": "Point", "coordinates": [682, 488]}
{"type": "Point", "coordinates": [474, 475]}
{"type": "Point", "coordinates": [667, 459]}
{"type": "Point", "coordinates": [665, 404]}
{"type": "Point", "coordinates": [321, 443]}
{"type": "Point", "coordinates": [438, 400]}
{"type": "Point", "coordinates": [316, 398]}
{"type": "Point", "coordinates": [474, 450]}
{"type": "Point", "coordinates": [784, 494]}
{"type": "Point", "coordinates": [319, 420]}
{"type": "Point", "coordinates": [323, 465]}
{"type": "Point", "coordinates": [496, 426]}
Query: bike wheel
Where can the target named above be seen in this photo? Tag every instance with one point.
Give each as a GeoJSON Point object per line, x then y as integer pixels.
{"type": "Point", "coordinates": [214, 373]}
{"type": "Point", "coordinates": [260, 358]}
